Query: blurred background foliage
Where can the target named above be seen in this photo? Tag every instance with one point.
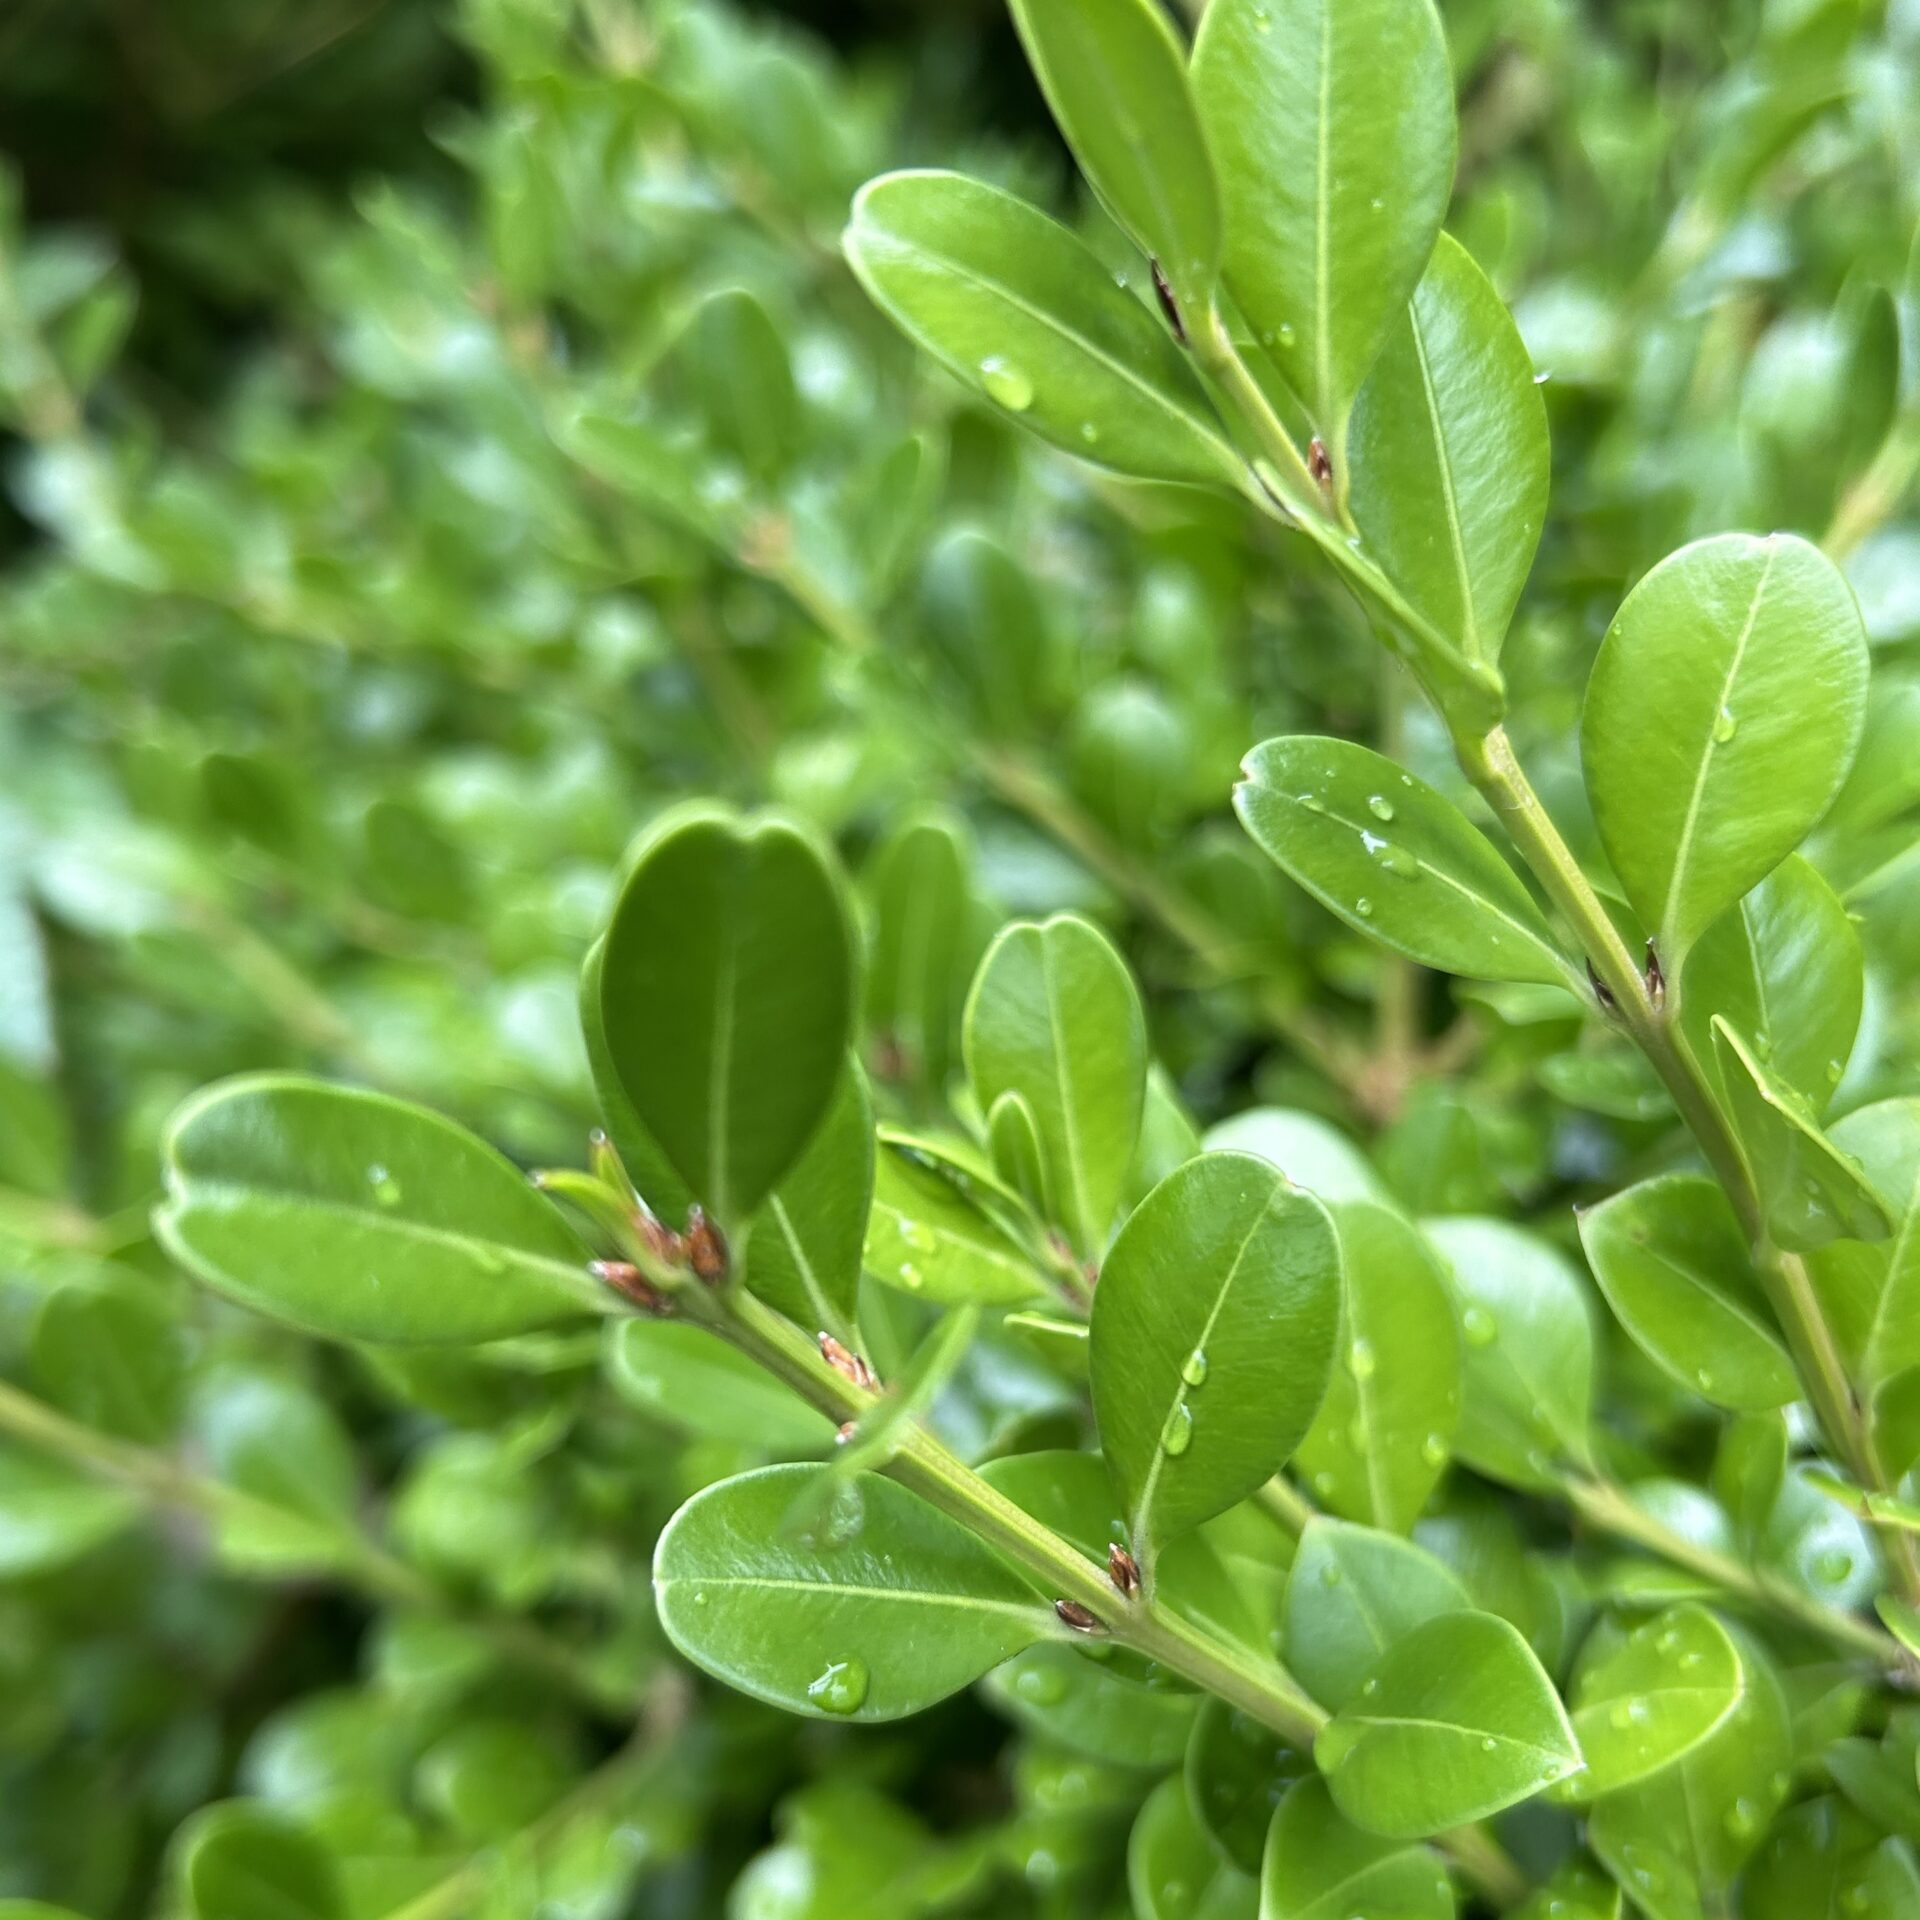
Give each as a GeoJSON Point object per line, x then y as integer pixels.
{"type": "Point", "coordinates": [435, 436]}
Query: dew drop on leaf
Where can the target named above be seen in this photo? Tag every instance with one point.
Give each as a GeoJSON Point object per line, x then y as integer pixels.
{"type": "Point", "coordinates": [1177, 1435]}
{"type": "Point", "coordinates": [1041, 1686]}
{"type": "Point", "coordinates": [1478, 1325]}
{"type": "Point", "coordinates": [1725, 726]}
{"type": "Point", "coordinates": [1833, 1567]}
{"type": "Point", "coordinates": [1743, 1819]}
{"type": "Point", "coordinates": [385, 1188]}
{"type": "Point", "coordinates": [841, 1686]}
{"type": "Point", "coordinates": [1362, 1362]}
{"type": "Point", "coordinates": [1005, 383]}
{"type": "Point", "coordinates": [910, 1276]}
{"type": "Point", "coordinates": [1194, 1369]}
{"type": "Point", "coordinates": [1380, 806]}
{"type": "Point", "coordinates": [1363, 907]}
{"type": "Point", "coordinates": [1433, 1450]}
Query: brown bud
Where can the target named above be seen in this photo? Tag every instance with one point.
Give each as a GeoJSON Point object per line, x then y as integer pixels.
{"type": "Point", "coordinates": [1168, 305]}
{"type": "Point", "coordinates": [658, 1238]}
{"type": "Point", "coordinates": [850, 1366]}
{"type": "Point", "coordinates": [845, 1432]}
{"type": "Point", "coordinates": [631, 1284]}
{"type": "Point", "coordinates": [1320, 462]}
{"type": "Point", "coordinates": [1078, 1617]}
{"type": "Point", "coordinates": [706, 1248]}
{"type": "Point", "coordinates": [1123, 1570]}
{"type": "Point", "coordinates": [1656, 979]}
{"type": "Point", "coordinates": [1601, 991]}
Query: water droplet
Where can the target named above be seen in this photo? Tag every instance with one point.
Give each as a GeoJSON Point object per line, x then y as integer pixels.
{"type": "Point", "coordinates": [841, 1686]}
{"type": "Point", "coordinates": [1380, 806]}
{"type": "Point", "coordinates": [1478, 1325]}
{"type": "Point", "coordinates": [1703, 1380]}
{"type": "Point", "coordinates": [1397, 860]}
{"type": "Point", "coordinates": [1324, 1484]}
{"type": "Point", "coordinates": [1330, 1574]}
{"type": "Point", "coordinates": [1377, 203]}
{"type": "Point", "coordinates": [919, 1236]}
{"type": "Point", "coordinates": [1489, 1745]}
{"type": "Point", "coordinates": [1369, 1688]}
{"type": "Point", "coordinates": [1194, 1369]}
{"type": "Point", "coordinates": [1725, 726]}
{"type": "Point", "coordinates": [699, 1597]}
{"type": "Point", "coordinates": [1619, 1716]}
{"type": "Point", "coordinates": [1174, 1897]}
{"type": "Point", "coordinates": [1743, 1819]}
{"type": "Point", "coordinates": [1363, 907]}
{"type": "Point", "coordinates": [910, 1276]}
{"type": "Point", "coordinates": [1833, 1567]}
{"type": "Point", "coordinates": [1005, 383]}
{"type": "Point", "coordinates": [1313, 803]}
{"type": "Point", "coordinates": [1089, 432]}
{"type": "Point", "coordinates": [1362, 1361]}
{"type": "Point", "coordinates": [1177, 1435]}
{"type": "Point", "coordinates": [1433, 1450]}
{"type": "Point", "coordinates": [1043, 1686]}
{"type": "Point", "coordinates": [1286, 333]}
{"type": "Point", "coordinates": [1834, 1071]}
{"type": "Point", "coordinates": [386, 1189]}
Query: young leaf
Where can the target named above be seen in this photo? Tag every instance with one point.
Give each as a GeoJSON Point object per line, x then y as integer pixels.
{"type": "Point", "coordinates": [1235, 1770]}
{"type": "Point", "coordinates": [1824, 1862]}
{"type": "Point", "coordinates": [1013, 1139]}
{"type": "Point", "coordinates": [726, 999]}
{"type": "Point", "coordinates": [743, 380]}
{"type": "Point", "coordinates": [692, 1379]}
{"type": "Point", "coordinates": [1578, 1890]}
{"type": "Point", "coordinates": [1115, 77]}
{"type": "Point", "coordinates": [359, 1217]}
{"type": "Point", "coordinates": [1319, 1866]}
{"type": "Point", "coordinates": [1213, 1332]}
{"type": "Point", "coordinates": [1354, 1593]}
{"type": "Point", "coordinates": [1722, 715]}
{"type": "Point", "coordinates": [886, 1607]}
{"type": "Point", "coordinates": [1393, 859]}
{"type": "Point", "coordinates": [803, 1255]}
{"type": "Point", "coordinates": [1652, 1697]}
{"type": "Point", "coordinates": [1812, 1192]}
{"type": "Point", "coordinates": [1332, 128]}
{"type": "Point", "coordinates": [1021, 310]}
{"type": "Point", "coordinates": [52, 1515]}
{"type": "Point", "coordinates": [1527, 1332]}
{"type": "Point", "coordinates": [1783, 966]}
{"type": "Point", "coordinates": [1450, 433]}
{"type": "Point", "coordinates": [1456, 1721]}
{"type": "Point", "coordinates": [1099, 1711]}
{"type": "Point", "coordinates": [919, 887]}
{"type": "Point", "coordinates": [1054, 1017]}
{"type": "Point", "coordinates": [1879, 1286]}
{"type": "Point", "coordinates": [930, 1234]}
{"type": "Point", "coordinates": [239, 1860]}
{"type": "Point", "coordinates": [1673, 1264]}
{"type": "Point", "coordinates": [1383, 1434]}
{"type": "Point", "coordinates": [1310, 1151]}
{"type": "Point", "coordinates": [1173, 1871]}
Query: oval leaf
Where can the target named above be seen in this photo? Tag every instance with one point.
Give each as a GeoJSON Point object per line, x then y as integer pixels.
{"type": "Point", "coordinates": [239, 1861]}
{"type": "Point", "coordinates": [1721, 718]}
{"type": "Point", "coordinates": [882, 1608]}
{"type": "Point", "coordinates": [1320, 1866]}
{"type": "Point", "coordinates": [690, 1378]}
{"type": "Point", "coordinates": [1214, 1326]}
{"type": "Point", "coordinates": [1173, 1871]}
{"type": "Point", "coordinates": [1022, 311]}
{"type": "Point", "coordinates": [933, 1232]}
{"type": "Point", "coordinates": [726, 999]}
{"type": "Point", "coordinates": [359, 1217]}
{"type": "Point", "coordinates": [1394, 859]}
{"type": "Point", "coordinates": [1456, 1721]}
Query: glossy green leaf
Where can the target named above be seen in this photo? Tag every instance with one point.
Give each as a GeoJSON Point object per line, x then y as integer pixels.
{"type": "Point", "coordinates": [1823, 1862]}
{"type": "Point", "coordinates": [884, 1607]}
{"type": "Point", "coordinates": [242, 1861]}
{"type": "Point", "coordinates": [690, 1378]}
{"type": "Point", "coordinates": [1310, 1151]}
{"type": "Point", "coordinates": [935, 1231]}
{"type": "Point", "coordinates": [1879, 1315]}
{"type": "Point", "coordinates": [1674, 1266]}
{"type": "Point", "coordinates": [1393, 858]}
{"type": "Point", "coordinates": [1214, 1326]}
{"type": "Point", "coordinates": [1526, 1326]}
{"type": "Point", "coordinates": [1810, 1190]}
{"type": "Point", "coordinates": [1384, 1433]}
{"type": "Point", "coordinates": [280, 1441]}
{"type": "Point", "coordinates": [111, 1354]}
{"type": "Point", "coordinates": [1054, 1017]}
{"type": "Point", "coordinates": [359, 1217]}
{"type": "Point", "coordinates": [1355, 1592]}
{"type": "Point", "coordinates": [1235, 1770]}
{"type": "Point", "coordinates": [1331, 124]}
{"type": "Point", "coordinates": [743, 380]}
{"type": "Point", "coordinates": [803, 1255]}
{"type": "Point", "coordinates": [1019, 309]}
{"type": "Point", "coordinates": [1115, 77]}
{"type": "Point", "coordinates": [1013, 1139]}
{"type": "Point", "coordinates": [919, 889]}
{"type": "Point", "coordinates": [1454, 1722]}
{"type": "Point", "coordinates": [51, 1515]}
{"type": "Point", "coordinates": [1450, 435]}
{"type": "Point", "coordinates": [1173, 1872]}
{"type": "Point", "coordinates": [1093, 1708]}
{"type": "Point", "coordinates": [1721, 719]}
{"type": "Point", "coordinates": [1578, 1890]}
{"type": "Point", "coordinates": [726, 999]}
{"type": "Point", "coordinates": [1783, 966]}
{"type": "Point", "coordinates": [1651, 1697]}
{"type": "Point", "coordinates": [1319, 1866]}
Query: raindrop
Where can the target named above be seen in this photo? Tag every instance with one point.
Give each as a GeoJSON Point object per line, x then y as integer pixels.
{"type": "Point", "coordinates": [1362, 1361]}
{"type": "Point", "coordinates": [386, 1189]}
{"type": "Point", "coordinates": [1286, 333]}
{"type": "Point", "coordinates": [1380, 807]}
{"type": "Point", "coordinates": [1397, 861]}
{"type": "Point", "coordinates": [1620, 1716]}
{"type": "Point", "coordinates": [920, 1237]}
{"type": "Point", "coordinates": [841, 1686]}
{"type": "Point", "coordinates": [1363, 907]}
{"type": "Point", "coordinates": [1005, 383]}
{"type": "Point", "coordinates": [1177, 1435]}
{"type": "Point", "coordinates": [1433, 1450]}
{"type": "Point", "coordinates": [1194, 1369]}
{"type": "Point", "coordinates": [1042, 1686]}
{"type": "Point", "coordinates": [910, 1276]}
{"type": "Point", "coordinates": [1725, 726]}
{"type": "Point", "coordinates": [1703, 1380]}
{"type": "Point", "coordinates": [1330, 1574]}
{"type": "Point", "coordinates": [1833, 1567]}
{"type": "Point", "coordinates": [1313, 803]}
{"type": "Point", "coordinates": [1478, 1325]}
{"type": "Point", "coordinates": [1743, 1819]}
{"type": "Point", "coordinates": [1089, 432]}
{"type": "Point", "coordinates": [1489, 1744]}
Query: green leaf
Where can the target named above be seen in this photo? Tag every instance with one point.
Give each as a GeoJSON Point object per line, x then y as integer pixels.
{"type": "Point", "coordinates": [1450, 434]}
{"type": "Point", "coordinates": [919, 888]}
{"type": "Point", "coordinates": [1054, 1017]}
{"type": "Point", "coordinates": [1883, 1316]}
{"type": "Point", "coordinates": [726, 999]}
{"type": "Point", "coordinates": [1673, 1264]}
{"type": "Point", "coordinates": [1721, 718]}
{"type": "Point", "coordinates": [1578, 1890]}
{"type": "Point", "coordinates": [1783, 966]}
{"type": "Point", "coordinates": [1173, 1872]}
{"type": "Point", "coordinates": [884, 1608]}
{"type": "Point", "coordinates": [803, 1255]}
{"type": "Point", "coordinates": [1384, 1433]}
{"type": "Point", "coordinates": [1394, 859]}
{"type": "Point", "coordinates": [111, 1354]}
{"type": "Point", "coordinates": [690, 1378]}
{"type": "Point", "coordinates": [1811, 1191]}
{"type": "Point", "coordinates": [359, 1217]}
{"type": "Point", "coordinates": [1310, 1151]}
{"type": "Point", "coordinates": [1332, 128]}
{"type": "Point", "coordinates": [1093, 1708]}
{"type": "Point", "coordinates": [936, 1231]}
{"type": "Point", "coordinates": [1527, 1329]}
{"type": "Point", "coordinates": [1651, 1697]}
{"type": "Point", "coordinates": [1456, 1721]}
{"type": "Point", "coordinates": [1115, 77]}
{"type": "Point", "coordinates": [743, 381]}
{"type": "Point", "coordinates": [51, 1516]}
{"type": "Point", "coordinates": [1319, 1866]}
{"type": "Point", "coordinates": [1214, 1326]}
{"type": "Point", "coordinates": [1022, 311]}
{"type": "Point", "coordinates": [1823, 1862]}
{"type": "Point", "coordinates": [240, 1861]}
{"type": "Point", "coordinates": [1354, 1593]}
{"type": "Point", "coordinates": [1235, 1770]}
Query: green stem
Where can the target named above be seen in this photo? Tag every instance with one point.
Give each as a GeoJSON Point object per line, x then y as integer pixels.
{"type": "Point", "coordinates": [339, 1549]}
